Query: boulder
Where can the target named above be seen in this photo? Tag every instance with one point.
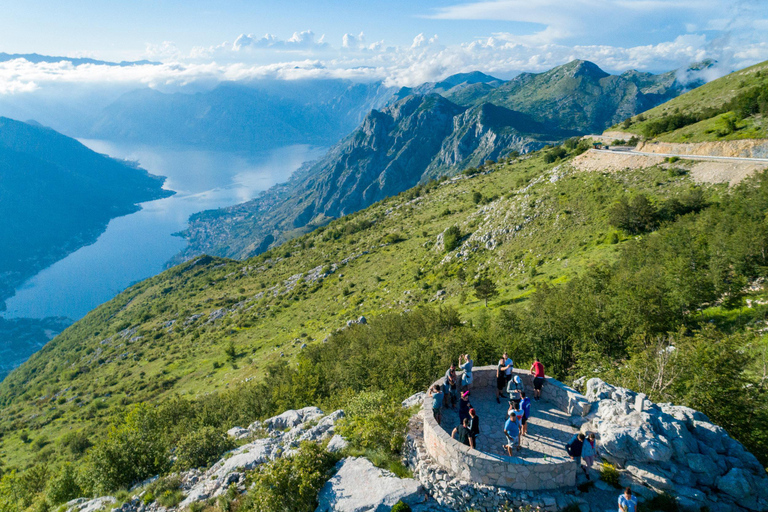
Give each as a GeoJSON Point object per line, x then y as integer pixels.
{"type": "Point", "coordinates": [238, 432]}
{"type": "Point", "coordinates": [337, 444]}
{"type": "Point", "coordinates": [290, 419]}
{"type": "Point", "coordinates": [359, 486]}
{"type": "Point", "coordinates": [415, 399]}
{"type": "Point", "coordinates": [735, 483]}
{"type": "Point", "coordinates": [700, 463]}
{"type": "Point", "coordinates": [598, 390]}
{"type": "Point", "coordinates": [92, 505]}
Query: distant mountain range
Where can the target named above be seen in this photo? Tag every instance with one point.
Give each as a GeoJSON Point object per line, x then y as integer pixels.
{"type": "Point", "coordinates": [36, 58]}
{"type": "Point", "coordinates": [237, 116]}
{"type": "Point", "coordinates": [426, 132]}
{"type": "Point", "coordinates": [56, 196]}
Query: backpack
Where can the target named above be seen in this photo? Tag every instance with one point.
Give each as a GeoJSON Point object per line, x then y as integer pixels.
{"type": "Point", "coordinates": [569, 449]}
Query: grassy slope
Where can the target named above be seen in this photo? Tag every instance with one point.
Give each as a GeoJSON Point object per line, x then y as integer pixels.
{"type": "Point", "coordinates": [546, 223]}
{"type": "Point", "coordinates": [710, 95]}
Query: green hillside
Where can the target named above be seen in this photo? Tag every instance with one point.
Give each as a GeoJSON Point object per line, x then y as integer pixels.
{"type": "Point", "coordinates": [551, 239]}
{"type": "Point", "coordinates": [729, 108]}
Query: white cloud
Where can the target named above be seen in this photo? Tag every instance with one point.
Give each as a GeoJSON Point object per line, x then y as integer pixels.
{"type": "Point", "coordinates": [163, 51]}
{"type": "Point", "coordinates": [303, 55]}
{"type": "Point", "coordinates": [298, 41]}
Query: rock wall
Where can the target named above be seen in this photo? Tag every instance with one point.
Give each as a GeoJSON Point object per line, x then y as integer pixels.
{"type": "Point", "coordinates": [489, 469]}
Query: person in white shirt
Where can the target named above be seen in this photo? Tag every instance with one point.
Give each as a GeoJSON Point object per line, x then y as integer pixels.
{"type": "Point", "coordinates": [627, 502]}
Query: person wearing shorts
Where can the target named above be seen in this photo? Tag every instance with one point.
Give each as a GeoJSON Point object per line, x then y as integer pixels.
{"type": "Point", "coordinates": [525, 405]}
{"type": "Point", "coordinates": [451, 387]}
{"type": "Point", "coordinates": [501, 381]}
{"type": "Point", "coordinates": [512, 432]}
{"type": "Point", "coordinates": [508, 367]}
{"type": "Point", "coordinates": [537, 370]}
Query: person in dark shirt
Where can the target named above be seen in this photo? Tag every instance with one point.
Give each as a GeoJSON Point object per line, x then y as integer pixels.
{"type": "Point", "coordinates": [464, 407]}
{"type": "Point", "coordinates": [574, 449]}
{"type": "Point", "coordinates": [525, 405]}
{"type": "Point", "coordinates": [451, 387]}
{"type": "Point", "coordinates": [462, 433]}
{"type": "Point", "coordinates": [474, 428]}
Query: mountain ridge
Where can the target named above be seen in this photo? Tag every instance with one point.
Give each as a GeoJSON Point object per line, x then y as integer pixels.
{"type": "Point", "coordinates": [505, 117]}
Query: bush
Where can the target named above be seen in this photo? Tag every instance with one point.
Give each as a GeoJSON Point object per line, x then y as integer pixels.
{"type": "Point", "coordinates": [401, 507]}
{"type": "Point", "coordinates": [291, 484]}
{"type": "Point", "coordinates": [201, 447]}
{"type": "Point", "coordinates": [555, 154]}
{"type": "Point", "coordinates": [374, 421]}
{"type": "Point", "coordinates": [130, 452]}
{"type": "Point", "coordinates": [451, 238]}
{"type": "Point", "coordinates": [63, 487]}
{"type": "Point", "coordinates": [664, 502]}
{"type": "Point", "coordinates": [609, 474]}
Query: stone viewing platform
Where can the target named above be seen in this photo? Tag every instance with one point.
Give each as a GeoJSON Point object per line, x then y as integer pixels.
{"type": "Point", "coordinates": [541, 463]}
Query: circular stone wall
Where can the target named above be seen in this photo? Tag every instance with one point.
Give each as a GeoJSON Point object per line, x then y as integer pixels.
{"type": "Point", "coordinates": [547, 472]}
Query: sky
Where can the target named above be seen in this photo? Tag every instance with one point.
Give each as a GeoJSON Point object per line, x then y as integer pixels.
{"type": "Point", "coordinates": [400, 42]}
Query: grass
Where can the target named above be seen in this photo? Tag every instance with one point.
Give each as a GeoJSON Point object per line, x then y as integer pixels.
{"type": "Point", "coordinates": [162, 336]}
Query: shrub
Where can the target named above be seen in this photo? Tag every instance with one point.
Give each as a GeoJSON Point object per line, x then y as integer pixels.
{"type": "Point", "coordinates": [63, 486]}
{"type": "Point", "coordinates": [291, 484]}
{"type": "Point", "coordinates": [664, 502]}
{"type": "Point", "coordinates": [201, 447]}
{"type": "Point", "coordinates": [555, 154]}
{"type": "Point", "coordinates": [451, 238]}
{"type": "Point", "coordinates": [400, 506]}
{"type": "Point", "coordinates": [374, 421]}
{"type": "Point", "coordinates": [609, 474]}
{"type": "Point", "coordinates": [130, 452]}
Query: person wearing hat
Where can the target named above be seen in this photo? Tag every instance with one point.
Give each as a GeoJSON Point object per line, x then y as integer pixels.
{"type": "Point", "coordinates": [514, 386]}
{"type": "Point", "coordinates": [464, 406]}
{"type": "Point", "coordinates": [474, 428]}
{"type": "Point", "coordinates": [512, 432]}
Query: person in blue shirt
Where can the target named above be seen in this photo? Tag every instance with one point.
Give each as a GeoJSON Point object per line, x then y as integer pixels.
{"type": "Point", "coordinates": [525, 405]}
{"type": "Point", "coordinates": [512, 431]}
{"type": "Point", "coordinates": [627, 502]}
{"type": "Point", "coordinates": [437, 403]}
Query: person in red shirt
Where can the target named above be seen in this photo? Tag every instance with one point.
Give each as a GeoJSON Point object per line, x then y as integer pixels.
{"type": "Point", "coordinates": [537, 370]}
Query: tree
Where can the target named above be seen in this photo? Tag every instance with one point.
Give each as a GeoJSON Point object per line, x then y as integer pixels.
{"type": "Point", "coordinates": [485, 289]}
{"type": "Point", "coordinates": [451, 238]}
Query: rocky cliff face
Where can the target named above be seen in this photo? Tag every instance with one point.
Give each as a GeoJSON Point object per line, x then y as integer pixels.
{"type": "Point", "coordinates": [580, 96]}
{"type": "Point", "coordinates": [411, 140]}
{"type": "Point", "coordinates": [432, 130]}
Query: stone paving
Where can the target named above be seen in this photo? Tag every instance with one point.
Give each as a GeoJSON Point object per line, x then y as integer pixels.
{"type": "Point", "coordinates": [549, 429]}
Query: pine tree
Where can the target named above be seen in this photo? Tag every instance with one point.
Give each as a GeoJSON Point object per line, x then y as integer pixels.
{"type": "Point", "coordinates": [485, 289]}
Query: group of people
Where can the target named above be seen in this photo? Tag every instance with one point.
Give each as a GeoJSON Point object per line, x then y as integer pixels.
{"type": "Point", "coordinates": [583, 447]}
{"type": "Point", "coordinates": [455, 392]}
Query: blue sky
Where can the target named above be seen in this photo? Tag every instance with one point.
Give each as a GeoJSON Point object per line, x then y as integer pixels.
{"type": "Point", "coordinates": [405, 42]}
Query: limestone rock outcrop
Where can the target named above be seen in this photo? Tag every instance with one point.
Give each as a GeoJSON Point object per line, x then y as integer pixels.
{"type": "Point", "coordinates": [674, 449]}
{"type": "Point", "coordinates": [360, 486]}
